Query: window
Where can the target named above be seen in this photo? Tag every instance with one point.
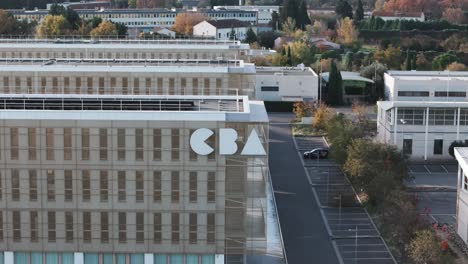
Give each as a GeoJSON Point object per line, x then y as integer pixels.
{"type": "Point", "coordinates": [67, 143]}
{"type": "Point", "coordinates": [192, 155]}
{"type": "Point", "coordinates": [32, 144]}
{"type": "Point", "coordinates": [103, 144]}
{"type": "Point", "coordinates": [157, 226]}
{"type": "Point", "coordinates": [121, 186]}
{"type": "Point", "coordinates": [413, 93]}
{"type": "Point", "coordinates": [29, 85]}
{"type": "Point", "coordinates": [68, 185]}
{"type": "Point", "coordinates": [175, 187]}
{"type": "Point", "coordinates": [140, 227]}
{"type": "Point", "coordinates": [211, 187]}
{"type": "Point", "coordinates": [218, 86]}
{"type": "Point", "coordinates": [89, 82]}
{"type": "Point", "coordinates": [86, 185]}
{"type": "Point", "coordinates": [438, 146]}
{"type": "Point", "coordinates": [55, 85]}
{"type": "Point", "coordinates": [50, 185]}
{"type": "Point", "coordinates": [104, 227]}
{"type": "Point", "coordinates": [139, 186]}
{"type": "Point", "coordinates": [148, 85]}
{"type": "Point", "coordinates": [124, 85]}
{"type": "Point", "coordinates": [171, 86]}
{"type": "Point", "coordinates": [122, 227]}
{"type": "Point", "coordinates": [411, 116]}
{"type": "Point", "coordinates": [450, 94]}
{"type": "Point", "coordinates": [160, 86]}
{"type": "Point", "coordinates": [32, 185]}
{"type": "Point", "coordinates": [136, 86]}
{"type": "Point", "coordinates": [156, 144]}
{"type": "Point", "coordinates": [113, 84]}
{"type": "Point", "coordinates": [195, 86]}
{"type": "Point", "coordinates": [16, 226]}
{"type": "Point", "coordinates": [43, 85]}
{"type": "Point", "coordinates": [193, 228]}
{"type": "Point", "coordinates": [34, 226]}
{"type": "Point", "coordinates": [85, 143]}
{"type": "Point", "coordinates": [193, 187]}
{"type": "Point", "coordinates": [78, 85]}
{"type": "Point", "coordinates": [269, 88]}
{"type": "Point", "coordinates": [408, 146]}
{"type": "Point", "coordinates": [14, 143]}
{"type": "Point", "coordinates": [51, 225]}
{"type": "Point", "coordinates": [156, 186]}
{"type": "Point", "coordinates": [139, 144]}
{"type": "Point", "coordinates": [68, 226]}
{"type": "Point", "coordinates": [87, 227]}
{"type": "Point", "coordinates": [101, 85]}
{"type": "Point", "coordinates": [210, 228]}
{"type": "Point", "coordinates": [66, 85]}
{"type": "Point", "coordinates": [15, 185]}
{"type": "Point", "coordinates": [442, 116]}
{"type": "Point", "coordinates": [175, 144]}
{"type": "Point", "coordinates": [50, 144]}
{"type": "Point", "coordinates": [212, 142]}
{"type": "Point", "coordinates": [175, 222]}
{"type": "Point", "coordinates": [103, 186]}
{"type": "Point", "coordinates": [121, 144]}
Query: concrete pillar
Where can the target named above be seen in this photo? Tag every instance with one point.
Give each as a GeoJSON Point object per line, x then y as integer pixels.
{"type": "Point", "coordinates": [426, 133]}
{"type": "Point", "coordinates": [149, 258]}
{"type": "Point", "coordinates": [78, 258]}
{"type": "Point", "coordinates": [219, 259]}
{"type": "Point", "coordinates": [8, 257]}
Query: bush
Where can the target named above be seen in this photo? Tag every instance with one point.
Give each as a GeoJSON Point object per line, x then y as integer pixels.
{"type": "Point", "coordinates": [424, 248]}
{"type": "Point", "coordinates": [322, 116]}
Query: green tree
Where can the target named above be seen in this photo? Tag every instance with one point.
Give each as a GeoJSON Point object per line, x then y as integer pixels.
{"type": "Point", "coordinates": [442, 61]}
{"type": "Point", "coordinates": [302, 18]}
{"type": "Point", "coordinates": [72, 17]}
{"type": "Point", "coordinates": [424, 248]}
{"type": "Point", "coordinates": [57, 10]}
{"type": "Point", "coordinates": [121, 29]}
{"type": "Point", "coordinates": [341, 131]}
{"type": "Point", "coordinates": [52, 26]}
{"type": "Point", "coordinates": [131, 3]}
{"type": "Point", "coordinates": [94, 22]}
{"type": "Point", "coordinates": [289, 60]}
{"type": "Point", "coordinates": [408, 60]}
{"type": "Point", "coordinates": [8, 24]}
{"type": "Point", "coordinates": [359, 16]}
{"type": "Point", "coordinates": [250, 36]}
{"type": "Point", "coordinates": [289, 9]}
{"type": "Point", "coordinates": [275, 21]}
{"type": "Point", "coordinates": [456, 144]}
{"type": "Point", "coordinates": [232, 34]}
{"type": "Point", "coordinates": [334, 86]}
{"type": "Point", "coordinates": [344, 9]}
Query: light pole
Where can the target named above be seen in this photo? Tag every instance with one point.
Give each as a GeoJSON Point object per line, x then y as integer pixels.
{"type": "Point", "coordinates": [355, 242]}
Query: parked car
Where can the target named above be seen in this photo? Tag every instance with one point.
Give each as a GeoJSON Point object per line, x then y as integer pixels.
{"type": "Point", "coordinates": [318, 153]}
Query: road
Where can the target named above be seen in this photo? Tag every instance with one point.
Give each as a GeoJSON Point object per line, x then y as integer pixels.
{"type": "Point", "coordinates": [304, 232]}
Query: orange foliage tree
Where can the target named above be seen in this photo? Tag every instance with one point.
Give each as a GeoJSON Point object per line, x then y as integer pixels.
{"type": "Point", "coordinates": [184, 22]}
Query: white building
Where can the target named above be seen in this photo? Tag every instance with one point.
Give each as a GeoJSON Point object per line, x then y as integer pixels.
{"type": "Point", "coordinates": [387, 16]}
{"type": "Point", "coordinates": [426, 85]}
{"type": "Point", "coordinates": [263, 12]}
{"type": "Point", "coordinates": [221, 29]}
{"type": "Point", "coordinates": [289, 84]}
{"type": "Point", "coordinates": [164, 32]}
{"type": "Point", "coordinates": [461, 154]}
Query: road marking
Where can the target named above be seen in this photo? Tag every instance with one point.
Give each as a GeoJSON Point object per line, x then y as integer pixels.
{"type": "Point", "coordinates": [443, 167]}
{"type": "Point", "coordinates": [283, 192]}
{"type": "Point", "coordinates": [427, 169]}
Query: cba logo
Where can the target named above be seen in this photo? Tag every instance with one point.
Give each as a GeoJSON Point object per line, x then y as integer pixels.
{"type": "Point", "coordinates": [227, 142]}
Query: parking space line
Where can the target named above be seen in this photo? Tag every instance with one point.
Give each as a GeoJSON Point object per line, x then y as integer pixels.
{"type": "Point", "coordinates": [427, 169]}
{"type": "Point", "coordinates": [443, 167]}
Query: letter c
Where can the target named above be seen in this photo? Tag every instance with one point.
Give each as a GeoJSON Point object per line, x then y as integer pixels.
{"type": "Point", "coordinates": [197, 141]}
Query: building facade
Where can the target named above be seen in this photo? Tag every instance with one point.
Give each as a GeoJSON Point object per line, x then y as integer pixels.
{"type": "Point", "coordinates": [119, 179]}
{"type": "Point", "coordinates": [461, 154]}
{"type": "Point", "coordinates": [122, 49]}
{"type": "Point", "coordinates": [221, 29]}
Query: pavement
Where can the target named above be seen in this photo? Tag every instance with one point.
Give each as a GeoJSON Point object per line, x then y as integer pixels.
{"type": "Point", "coordinates": [304, 231]}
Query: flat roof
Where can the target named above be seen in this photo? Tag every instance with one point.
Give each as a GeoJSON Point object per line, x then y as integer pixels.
{"type": "Point", "coordinates": [132, 107]}
{"type": "Point", "coordinates": [461, 154]}
{"type": "Point", "coordinates": [285, 71]}
{"type": "Point", "coordinates": [128, 11]}
{"type": "Point", "coordinates": [124, 65]}
{"type": "Point", "coordinates": [422, 104]}
{"type": "Point", "coordinates": [428, 75]}
{"type": "Point", "coordinates": [179, 44]}
{"type": "Point", "coordinates": [348, 76]}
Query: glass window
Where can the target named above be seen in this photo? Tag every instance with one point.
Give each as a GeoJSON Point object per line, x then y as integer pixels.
{"type": "Point", "coordinates": [51, 225]}
{"type": "Point", "coordinates": [121, 185]}
{"type": "Point", "coordinates": [32, 143]}
{"type": "Point", "coordinates": [208, 259]}
{"type": "Point", "coordinates": [32, 185]}
{"type": "Point", "coordinates": [139, 186]}
{"type": "Point", "coordinates": [175, 144]}
{"type": "Point", "coordinates": [122, 227]}
{"type": "Point", "coordinates": [438, 146]}
{"type": "Point", "coordinates": [50, 144]}
{"type": "Point", "coordinates": [86, 185]}
{"type": "Point", "coordinates": [157, 226]}
{"type": "Point", "coordinates": [91, 258]}
{"type": "Point", "coordinates": [140, 227]}
{"type": "Point", "coordinates": [103, 144]}
{"type": "Point", "coordinates": [442, 116]}
{"type": "Point", "coordinates": [50, 185]}
{"type": "Point", "coordinates": [136, 86]}
{"type": "Point", "coordinates": [36, 258]}
{"type": "Point", "coordinates": [177, 259]}
{"type": "Point", "coordinates": [210, 228]}
{"type": "Point", "coordinates": [67, 143]}
{"type": "Point", "coordinates": [139, 142]}
{"type": "Point", "coordinates": [104, 227]}
{"type": "Point", "coordinates": [156, 186]}
{"type": "Point", "coordinates": [191, 259]}
{"type": "Point", "coordinates": [411, 116]}
{"type": "Point", "coordinates": [193, 186]}
{"type": "Point", "coordinates": [211, 187]}
{"type": "Point", "coordinates": [85, 143]}
{"type": "Point", "coordinates": [408, 146]}
{"type": "Point", "coordinates": [137, 259]}
{"type": "Point", "coordinates": [160, 259]}
{"type": "Point", "coordinates": [87, 227]}
{"type": "Point", "coordinates": [175, 228]}
{"type": "Point", "coordinates": [68, 226]}
{"type": "Point", "coordinates": [15, 185]}
{"type": "Point", "coordinates": [193, 228]}
{"type": "Point", "coordinates": [14, 143]}
{"type": "Point", "coordinates": [175, 186]}
{"type": "Point", "coordinates": [68, 185]}
{"type": "Point", "coordinates": [34, 226]}
{"type": "Point", "coordinates": [156, 144]}
{"type": "Point", "coordinates": [121, 144]}
{"type": "Point", "coordinates": [103, 186]}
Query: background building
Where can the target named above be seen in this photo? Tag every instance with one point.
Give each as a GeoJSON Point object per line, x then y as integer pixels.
{"type": "Point", "coordinates": [113, 179]}
{"type": "Point", "coordinates": [461, 154]}
{"type": "Point", "coordinates": [221, 29]}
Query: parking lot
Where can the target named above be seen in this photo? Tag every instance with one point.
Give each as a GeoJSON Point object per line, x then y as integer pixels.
{"type": "Point", "coordinates": [432, 168]}
{"type": "Point", "coordinates": [354, 235]}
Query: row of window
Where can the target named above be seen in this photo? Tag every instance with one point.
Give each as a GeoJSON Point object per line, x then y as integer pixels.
{"type": "Point", "coordinates": [112, 85]}
{"type": "Point", "coordinates": [121, 150]}
{"type": "Point", "coordinates": [104, 190]}
{"type": "Point", "coordinates": [437, 116]}
{"type": "Point", "coordinates": [436, 94]}
{"type": "Point", "coordinates": [438, 146]}
{"type": "Point", "coordinates": [97, 226]}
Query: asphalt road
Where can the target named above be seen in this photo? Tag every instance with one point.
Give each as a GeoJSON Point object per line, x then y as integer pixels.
{"type": "Point", "coordinates": [304, 233]}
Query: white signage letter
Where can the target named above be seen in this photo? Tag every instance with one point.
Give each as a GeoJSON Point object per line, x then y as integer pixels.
{"type": "Point", "coordinates": [253, 146]}
{"type": "Point", "coordinates": [227, 141]}
{"type": "Point", "coordinates": [197, 141]}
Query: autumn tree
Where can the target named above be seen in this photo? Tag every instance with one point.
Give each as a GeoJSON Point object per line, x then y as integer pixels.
{"type": "Point", "coordinates": [321, 117]}
{"type": "Point", "coordinates": [424, 248]}
{"type": "Point", "coordinates": [390, 56]}
{"type": "Point", "coordinates": [347, 33]}
{"type": "Point", "coordinates": [456, 66]}
{"type": "Point", "coordinates": [105, 29]}
{"type": "Point", "coordinates": [454, 15]}
{"type": "Point", "coordinates": [52, 26]}
{"type": "Point", "coordinates": [8, 23]}
{"type": "Point", "coordinates": [185, 21]}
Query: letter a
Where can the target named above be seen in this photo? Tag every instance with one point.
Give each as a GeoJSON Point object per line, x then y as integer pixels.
{"type": "Point", "coordinates": [253, 145]}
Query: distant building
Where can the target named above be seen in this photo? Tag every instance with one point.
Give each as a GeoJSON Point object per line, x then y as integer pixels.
{"type": "Point", "coordinates": [355, 87]}
{"type": "Point", "coordinates": [323, 44]}
{"type": "Point", "coordinates": [263, 12]}
{"type": "Point", "coordinates": [221, 29]}
{"type": "Point", "coordinates": [83, 5]}
{"type": "Point", "coordinates": [386, 16]}
{"type": "Point", "coordinates": [287, 84]}
{"type": "Point", "coordinates": [461, 154]}
{"type": "Point", "coordinates": [164, 32]}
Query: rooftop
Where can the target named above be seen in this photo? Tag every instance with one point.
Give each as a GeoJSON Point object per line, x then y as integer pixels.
{"type": "Point", "coordinates": [422, 104]}
{"type": "Point", "coordinates": [397, 14]}
{"type": "Point", "coordinates": [285, 71]}
{"type": "Point", "coordinates": [127, 11]}
{"type": "Point", "coordinates": [428, 75]}
{"type": "Point", "coordinates": [348, 76]}
{"type": "Point", "coordinates": [105, 107]}
{"type": "Point", "coordinates": [186, 44]}
{"type": "Point", "coordinates": [228, 23]}
{"type": "Point", "coordinates": [124, 65]}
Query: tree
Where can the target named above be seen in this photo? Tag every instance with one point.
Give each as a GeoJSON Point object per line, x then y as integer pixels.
{"type": "Point", "coordinates": [344, 9]}
{"type": "Point", "coordinates": [8, 24]}
{"type": "Point", "coordinates": [289, 57]}
{"type": "Point", "coordinates": [57, 10]}
{"type": "Point", "coordinates": [334, 86]}
{"type": "Point", "coordinates": [375, 71]}
{"type": "Point", "coordinates": [250, 36]}
{"type": "Point", "coordinates": [390, 56]}
{"type": "Point", "coordinates": [424, 248]}
{"type": "Point", "coordinates": [341, 131]}
{"type": "Point", "coordinates": [52, 26]}
{"type": "Point", "coordinates": [302, 18]}
{"type": "Point", "coordinates": [95, 21]}
{"type": "Point", "coordinates": [267, 39]}
{"type": "Point", "coordinates": [347, 33]}
{"type": "Point", "coordinates": [454, 15]}
{"type": "Point", "coordinates": [456, 66]}
{"type": "Point", "coordinates": [456, 144]}
{"type": "Point", "coordinates": [421, 62]}
{"type": "Point", "coordinates": [408, 60]}
{"type": "Point", "coordinates": [442, 61]}
{"type": "Point", "coordinates": [105, 29]}
{"type": "Point", "coordinates": [72, 17]}
{"type": "Point", "coordinates": [184, 22]}
{"type": "Point", "coordinates": [359, 15]}
{"type": "Point", "coordinates": [289, 9]}
{"type": "Point", "coordinates": [131, 3]}
{"type": "Point", "coordinates": [121, 29]}
{"type": "Point", "coordinates": [301, 109]}
{"type": "Point", "coordinates": [275, 21]}
{"type": "Point", "coordinates": [322, 116]}
{"type": "Point", "coordinates": [288, 26]}
{"type": "Point", "coordinates": [232, 34]}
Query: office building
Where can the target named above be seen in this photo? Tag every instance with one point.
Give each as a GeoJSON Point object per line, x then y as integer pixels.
{"type": "Point", "coordinates": [425, 112]}
{"type": "Point", "coordinates": [461, 154]}
{"type": "Point", "coordinates": [122, 49]}
{"type": "Point", "coordinates": [130, 179]}
{"type": "Point", "coordinates": [222, 29]}
{"type": "Point", "coordinates": [264, 13]}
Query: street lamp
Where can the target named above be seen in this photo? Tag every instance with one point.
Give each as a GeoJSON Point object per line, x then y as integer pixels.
{"type": "Point", "coordinates": [355, 242]}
